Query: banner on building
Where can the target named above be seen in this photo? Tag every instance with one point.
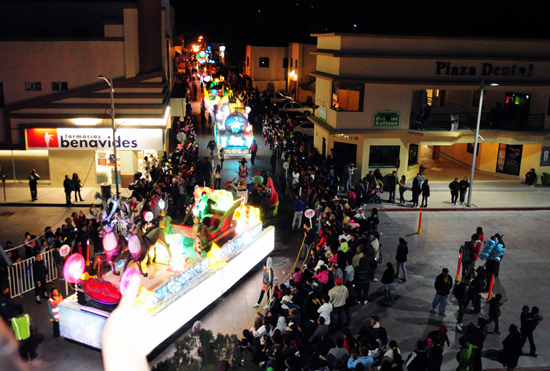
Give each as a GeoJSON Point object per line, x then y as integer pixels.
{"type": "Point", "coordinates": [386, 118]}
{"type": "Point", "coordinates": [94, 139]}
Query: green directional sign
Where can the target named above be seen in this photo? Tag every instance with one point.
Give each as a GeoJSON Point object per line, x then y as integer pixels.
{"type": "Point", "coordinates": [386, 118]}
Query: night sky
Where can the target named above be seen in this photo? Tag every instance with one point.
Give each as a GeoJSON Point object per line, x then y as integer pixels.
{"type": "Point", "coordinates": [283, 21]}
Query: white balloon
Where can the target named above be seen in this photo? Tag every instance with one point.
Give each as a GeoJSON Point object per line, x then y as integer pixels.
{"type": "Point", "coordinates": [148, 216]}
{"type": "Point", "coordinates": [64, 250]}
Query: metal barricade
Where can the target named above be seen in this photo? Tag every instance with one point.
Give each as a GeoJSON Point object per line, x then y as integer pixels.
{"type": "Point", "coordinates": [20, 274]}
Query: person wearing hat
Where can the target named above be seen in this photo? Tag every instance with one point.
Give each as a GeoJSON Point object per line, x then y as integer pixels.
{"type": "Point", "coordinates": [443, 285]}
{"type": "Point", "coordinates": [338, 297]}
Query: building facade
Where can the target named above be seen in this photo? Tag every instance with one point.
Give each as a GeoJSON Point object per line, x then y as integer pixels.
{"type": "Point", "coordinates": [56, 112]}
{"type": "Point", "coordinates": [287, 68]}
{"type": "Point", "coordinates": [381, 98]}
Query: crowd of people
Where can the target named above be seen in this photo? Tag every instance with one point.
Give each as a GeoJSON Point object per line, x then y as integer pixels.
{"type": "Point", "coordinates": [305, 322]}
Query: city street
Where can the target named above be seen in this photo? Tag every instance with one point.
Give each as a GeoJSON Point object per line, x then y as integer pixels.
{"type": "Point", "coordinates": [523, 278]}
{"type": "Point", "coordinates": [524, 273]}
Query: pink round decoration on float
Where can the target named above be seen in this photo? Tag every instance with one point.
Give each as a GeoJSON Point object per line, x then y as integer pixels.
{"type": "Point", "coordinates": [127, 276]}
{"type": "Point", "coordinates": [74, 267]}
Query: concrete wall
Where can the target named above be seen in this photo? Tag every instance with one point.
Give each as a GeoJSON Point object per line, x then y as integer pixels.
{"type": "Point", "coordinates": [68, 162]}
{"type": "Point", "coordinates": [275, 71]}
{"type": "Point", "coordinates": [39, 61]}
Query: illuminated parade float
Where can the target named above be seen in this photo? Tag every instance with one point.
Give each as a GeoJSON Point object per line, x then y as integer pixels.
{"type": "Point", "coordinates": [232, 130]}
{"type": "Point", "coordinates": [190, 265]}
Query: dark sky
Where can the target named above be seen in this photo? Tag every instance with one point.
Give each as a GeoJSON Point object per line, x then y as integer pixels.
{"type": "Point", "coordinates": [286, 20]}
{"type": "Point", "coordinates": [279, 22]}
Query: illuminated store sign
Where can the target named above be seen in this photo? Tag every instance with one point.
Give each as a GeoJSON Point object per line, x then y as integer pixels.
{"type": "Point", "coordinates": [486, 69]}
{"type": "Point", "coordinates": [96, 139]}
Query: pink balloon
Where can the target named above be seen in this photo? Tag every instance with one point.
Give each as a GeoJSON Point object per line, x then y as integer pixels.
{"type": "Point", "coordinates": [74, 267]}
{"type": "Point", "coordinates": [127, 277]}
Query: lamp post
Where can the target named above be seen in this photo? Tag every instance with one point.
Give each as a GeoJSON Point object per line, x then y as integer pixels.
{"type": "Point", "coordinates": [482, 90]}
{"type": "Point", "coordinates": [110, 83]}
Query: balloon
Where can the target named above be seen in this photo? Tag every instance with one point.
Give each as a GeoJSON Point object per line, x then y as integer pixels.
{"type": "Point", "coordinates": [64, 250]}
{"type": "Point", "coordinates": [148, 216]}
{"type": "Point", "coordinates": [74, 267]}
{"type": "Point", "coordinates": [258, 179]}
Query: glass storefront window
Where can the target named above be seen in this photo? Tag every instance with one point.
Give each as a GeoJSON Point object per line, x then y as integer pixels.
{"type": "Point", "coordinates": [105, 166]}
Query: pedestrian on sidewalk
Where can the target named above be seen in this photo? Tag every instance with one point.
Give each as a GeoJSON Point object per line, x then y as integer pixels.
{"type": "Point", "coordinates": [33, 184]}
{"type": "Point", "coordinates": [425, 193]}
{"type": "Point", "coordinates": [401, 258]}
{"type": "Point", "coordinates": [464, 185]}
{"type": "Point", "coordinates": [454, 186]}
{"type": "Point", "coordinates": [402, 189]}
{"type": "Point", "coordinates": [77, 184]}
{"type": "Point", "coordinates": [68, 185]}
{"type": "Point", "coordinates": [392, 182]}
{"type": "Point", "coordinates": [416, 189]}
{"type": "Point", "coordinates": [443, 285]}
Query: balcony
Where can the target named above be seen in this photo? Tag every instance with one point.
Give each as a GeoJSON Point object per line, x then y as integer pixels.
{"type": "Point", "coordinates": [442, 122]}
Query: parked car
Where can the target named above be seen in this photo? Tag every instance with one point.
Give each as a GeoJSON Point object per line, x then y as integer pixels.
{"type": "Point", "coordinates": [291, 115]}
{"type": "Point", "coordinates": [304, 129]}
{"type": "Point", "coordinates": [275, 98]}
{"type": "Point", "coordinates": [296, 107]}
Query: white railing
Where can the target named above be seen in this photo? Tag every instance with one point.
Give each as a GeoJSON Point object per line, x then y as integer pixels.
{"type": "Point", "coordinates": [21, 277]}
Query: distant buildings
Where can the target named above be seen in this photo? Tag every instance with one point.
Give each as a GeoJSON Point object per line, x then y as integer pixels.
{"type": "Point", "coordinates": [282, 68]}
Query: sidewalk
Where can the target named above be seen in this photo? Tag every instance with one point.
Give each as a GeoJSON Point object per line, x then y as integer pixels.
{"type": "Point", "coordinates": [487, 195]}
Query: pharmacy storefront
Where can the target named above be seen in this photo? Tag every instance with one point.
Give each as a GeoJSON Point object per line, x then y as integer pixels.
{"type": "Point", "coordinates": [89, 152]}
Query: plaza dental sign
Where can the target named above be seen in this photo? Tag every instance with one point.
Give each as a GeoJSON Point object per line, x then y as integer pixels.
{"type": "Point", "coordinates": [485, 69]}
{"type": "Point", "coordinates": [93, 139]}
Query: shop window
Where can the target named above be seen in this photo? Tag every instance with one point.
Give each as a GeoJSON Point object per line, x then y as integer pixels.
{"type": "Point", "coordinates": [347, 96]}
{"type": "Point", "coordinates": [264, 62]}
{"type": "Point", "coordinates": [383, 156]}
{"type": "Point", "coordinates": [413, 155]}
{"type": "Point", "coordinates": [470, 148]}
{"type": "Point", "coordinates": [33, 86]}
{"type": "Point", "coordinates": [59, 86]}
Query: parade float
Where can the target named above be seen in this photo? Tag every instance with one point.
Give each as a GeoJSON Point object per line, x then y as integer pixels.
{"type": "Point", "coordinates": [200, 262]}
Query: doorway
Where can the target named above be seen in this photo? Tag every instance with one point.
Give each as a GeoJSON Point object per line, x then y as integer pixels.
{"type": "Point", "coordinates": [509, 159]}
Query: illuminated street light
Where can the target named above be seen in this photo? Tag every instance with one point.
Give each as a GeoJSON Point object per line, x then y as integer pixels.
{"type": "Point", "coordinates": [482, 90]}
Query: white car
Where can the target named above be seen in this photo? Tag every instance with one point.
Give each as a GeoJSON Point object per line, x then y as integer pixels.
{"type": "Point", "coordinates": [296, 107]}
{"type": "Point", "coordinates": [304, 129]}
{"type": "Point", "coordinates": [276, 97]}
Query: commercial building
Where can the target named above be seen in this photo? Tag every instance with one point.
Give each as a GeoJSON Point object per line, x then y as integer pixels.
{"type": "Point", "coordinates": [56, 113]}
{"type": "Point", "coordinates": [283, 68]}
{"type": "Point", "coordinates": [382, 98]}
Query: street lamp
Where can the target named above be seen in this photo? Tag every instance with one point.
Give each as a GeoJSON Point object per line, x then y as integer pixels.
{"type": "Point", "coordinates": [482, 90]}
{"type": "Point", "coordinates": [110, 83]}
